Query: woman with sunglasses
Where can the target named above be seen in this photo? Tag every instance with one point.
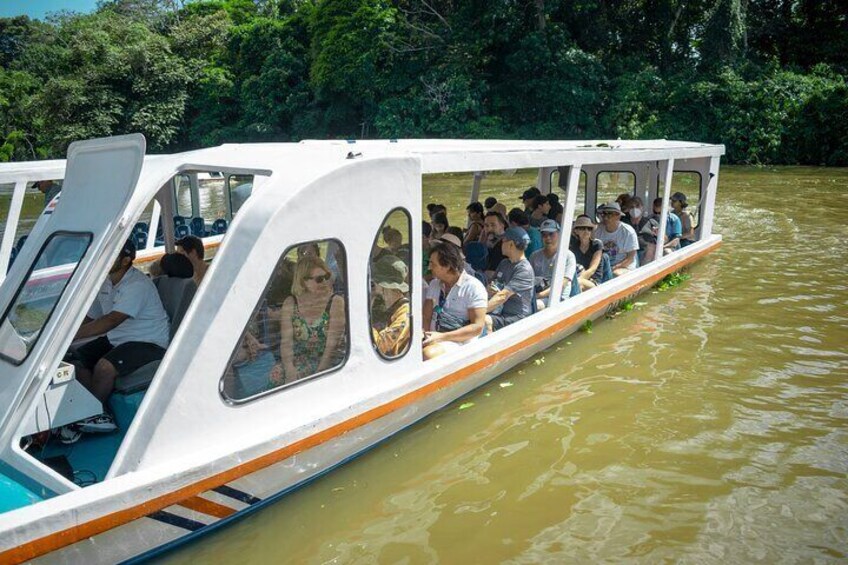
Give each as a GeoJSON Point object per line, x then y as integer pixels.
{"type": "Point", "coordinates": [588, 252]}
{"type": "Point", "coordinates": [312, 322]}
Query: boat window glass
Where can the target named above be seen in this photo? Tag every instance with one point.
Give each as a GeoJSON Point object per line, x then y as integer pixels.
{"type": "Point", "coordinates": [612, 183]}
{"type": "Point", "coordinates": [239, 188]}
{"type": "Point", "coordinates": [390, 272]}
{"type": "Point", "coordinates": [299, 329]}
{"type": "Point", "coordinates": [580, 205]}
{"type": "Point", "coordinates": [35, 299]}
{"type": "Point", "coordinates": [182, 195]}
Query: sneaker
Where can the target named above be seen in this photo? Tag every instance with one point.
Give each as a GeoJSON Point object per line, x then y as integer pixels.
{"type": "Point", "coordinates": [69, 434]}
{"type": "Point", "coordinates": [100, 424]}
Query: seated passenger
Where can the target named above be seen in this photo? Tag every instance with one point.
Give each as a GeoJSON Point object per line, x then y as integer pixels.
{"type": "Point", "coordinates": [132, 327]}
{"type": "Point", "coordinates": [687, 231]}
{"type": "Point", "coordinates": [475, 223]}
{"type": "Point", "coordinates": [457, 303]}
{"type": "Point", "coordinates": [637, 220]}
{"type": "Point", "coordinates": [511, 291]}
{"type": "Point", "coordinates": [541, 207]}
{"type": "Point", "coordinates": [440, 225]}
{"type": "Point", "coordinates": [388, 276]}
{"type": "Point", "coordinates": [176, 265]}
{"type": "Point", "coordinates": [494, 226]}
{"type": "Point", "coordinates": [528, 198]}
{"type": "Point", "coordinates": [651, 230]}
{"type": "Point", "coordinates": [543, 262]}
{"type": "Point", "coordinates": [393, 239]}
{"type": "Point", "coordinates": [312, 322]}
{"type": "Point", "coordinates": [619, 239]}
{"type": "Point", "coordinates": [192, 247]}
{"type": "Point", "coordinates": [520, 219]}
{"type": "Point", "coordinates": [588, 252]}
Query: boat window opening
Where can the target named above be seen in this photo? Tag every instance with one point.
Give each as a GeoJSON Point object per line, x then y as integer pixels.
{"type": "Point", "coordinates": [299, 329]}
{"type": "Point", "coordinates": [36, 197]}
{"type": "Point", "coordinates": [182, 196]}
{"type": "Point", "coordinates": [39, 293]}
{"type": "Point", "coordinates": [390, 271]}
{"type": "Point", "coordinates": [689, 183]}
{"type": "Point", "coordinates": [580, 205]}
{"type": "Point", "coordinates": [239, 189]}
{"type": "Point", "coordinates": [612, 184]}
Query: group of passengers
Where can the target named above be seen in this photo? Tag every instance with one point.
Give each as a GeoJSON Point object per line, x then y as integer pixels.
{"type": "Point", "coordinates": [500, 268]}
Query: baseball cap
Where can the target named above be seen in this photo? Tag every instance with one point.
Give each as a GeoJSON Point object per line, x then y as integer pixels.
{"type": "Point", "coordinates": [549, 226]}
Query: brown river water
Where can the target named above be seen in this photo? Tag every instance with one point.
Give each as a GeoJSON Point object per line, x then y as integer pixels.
{"type": "Point", "coordinates": [707, 425]}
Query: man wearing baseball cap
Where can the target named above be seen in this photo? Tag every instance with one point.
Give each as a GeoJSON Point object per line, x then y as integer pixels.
{"type": "Point", "coordinates": [511, 290]}
{"type": "Point", "coordinates": [619, 239]}
{"type": "Point", "coordinates": [133, 330]}
{"type": "Point", "coordinates": [543, 262]}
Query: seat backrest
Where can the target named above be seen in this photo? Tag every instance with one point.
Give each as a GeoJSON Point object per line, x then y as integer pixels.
{"type": "Point", "coordinates": [176, 295]}
{"type": "Point", "coordinates": [179, 220]}
{"type": "Point", "coordinates": [198, 226]}
{"type": "Point", "coordinates": [219, 226]}
{"type": "Point", "coordinates": [181, 231]}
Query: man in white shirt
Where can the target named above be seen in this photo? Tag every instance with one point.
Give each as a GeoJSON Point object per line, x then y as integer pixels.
{"type": "Point", "coordinates": [133, 330]}
{"type": "Point", "coordinates": [619, 239]}
{"type": "Point", "coordinates": [458, 300]}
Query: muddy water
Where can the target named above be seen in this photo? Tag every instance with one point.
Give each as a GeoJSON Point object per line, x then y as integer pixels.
{"type": "Point", "coordinates": [709, 424]}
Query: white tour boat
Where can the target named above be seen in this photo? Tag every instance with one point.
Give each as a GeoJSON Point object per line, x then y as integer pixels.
{"type": "Point", "coordinates": [223, 424]}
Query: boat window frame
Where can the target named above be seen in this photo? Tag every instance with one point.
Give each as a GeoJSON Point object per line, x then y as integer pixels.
{"type": "Point", "coordinates": [87, 234]}
{"type": "Point", "coordinates": [632, 191]}
{"type": "Point", "coordinates": [234, 402]}
{"type": "Point", "coordinates": [368, 286]}
{"type": "Point", "coordinates": [176, 186]}
{"type": "Point", "coordinates": [583, 178]}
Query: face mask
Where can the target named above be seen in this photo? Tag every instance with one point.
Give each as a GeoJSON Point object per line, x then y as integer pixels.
{"type": "Point", "coordinates": [636, 212]}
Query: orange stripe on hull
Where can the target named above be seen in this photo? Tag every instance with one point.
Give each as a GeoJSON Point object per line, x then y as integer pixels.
{"type": "Point", "coordinates": [207, 507]}
{"type": "Point", "coordinates": [74, 534]}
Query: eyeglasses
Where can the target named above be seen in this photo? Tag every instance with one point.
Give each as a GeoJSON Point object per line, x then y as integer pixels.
{"type": "Point", "coordinates": [607, 213]}
{"type": "Point", "coordinates": [319, 279]}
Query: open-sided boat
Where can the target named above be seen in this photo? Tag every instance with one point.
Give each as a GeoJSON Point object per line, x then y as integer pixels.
{"type": "Point", "coordinates": [201, 439]}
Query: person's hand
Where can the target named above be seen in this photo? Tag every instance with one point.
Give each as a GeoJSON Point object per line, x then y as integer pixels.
{"type": "Point", "coordinates": [432, 337]}
{"type": "Point", "coordinates": [276, 376]}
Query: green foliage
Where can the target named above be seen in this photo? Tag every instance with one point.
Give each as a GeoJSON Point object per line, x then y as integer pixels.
{"type": "Point", "coordinates": [764, 77]}
{"type": "Point", "coordinates": [672, 280]}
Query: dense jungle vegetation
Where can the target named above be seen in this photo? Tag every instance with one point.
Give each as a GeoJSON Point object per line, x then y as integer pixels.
{"type": "Point", "coordinates": [765, 77]}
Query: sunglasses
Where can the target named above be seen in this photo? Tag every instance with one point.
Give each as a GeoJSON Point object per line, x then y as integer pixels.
{"type": "Point", "coordinates": [586, 228]}
{"type": "Point", "coordinates": [608, 214]}
{"type": "Point", "coordinates": [319, 279]}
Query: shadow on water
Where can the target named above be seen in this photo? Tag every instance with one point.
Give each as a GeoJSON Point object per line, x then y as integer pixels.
{"type": "Point", "coordinates": [706, 425]}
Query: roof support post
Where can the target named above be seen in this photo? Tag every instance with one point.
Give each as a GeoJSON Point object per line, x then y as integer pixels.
{"type": "Point", "coordinates": [710, 183]}
{"type": "Point", "coordinates": [666, 172]}
{"type": "Point", "coordinates": [11, 227]}
{"type": "Point", "coordinates": [475, 192]}
{"type": "Point", "coordinates": [565, 233]}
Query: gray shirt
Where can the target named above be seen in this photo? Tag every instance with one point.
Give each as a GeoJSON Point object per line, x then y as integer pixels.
{"type": "Point", "coordinates": [543, 268]}
{"type": "Point", "coordinates": [517, 277]}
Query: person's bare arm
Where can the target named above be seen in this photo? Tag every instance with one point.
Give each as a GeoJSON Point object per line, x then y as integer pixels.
{"type": "Point", "coordinates": [287, 340]}
{"type": "Point", "coordinates": [335, 332]}
{"type": "Point", "coordinates": [593, 266]}
{"type": "Point", "coordinates": [427, 311]}
{"type": "Point", "coordinates": [499, 298]}
{"type": "Point", "coordinates": [101, 325]}
{"type": "Point", "coordinates": [627, 261]}
{"type": "Point", "coordinates": [477, 319]}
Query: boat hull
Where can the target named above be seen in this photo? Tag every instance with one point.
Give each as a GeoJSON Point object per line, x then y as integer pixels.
{"type": "Point", "coordinates": [211, 501]}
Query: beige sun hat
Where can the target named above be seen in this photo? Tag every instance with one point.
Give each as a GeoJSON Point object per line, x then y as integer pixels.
{"type": "Point", "coordinates": [583, 222]}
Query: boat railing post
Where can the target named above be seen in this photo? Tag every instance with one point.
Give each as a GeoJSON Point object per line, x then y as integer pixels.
{"type": "Point", "coordinates": [565, 232]}
{"type": "Point", "coordinates": [11, 226]}
{"type": "Point", "coordinates": [475, 192]}
{"type": "Point", "coordinates": [666, 171]}
{"type": "Point", "coordinates": [166, 200]}
{"type": "Point", "coordinates": [705, 225]}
